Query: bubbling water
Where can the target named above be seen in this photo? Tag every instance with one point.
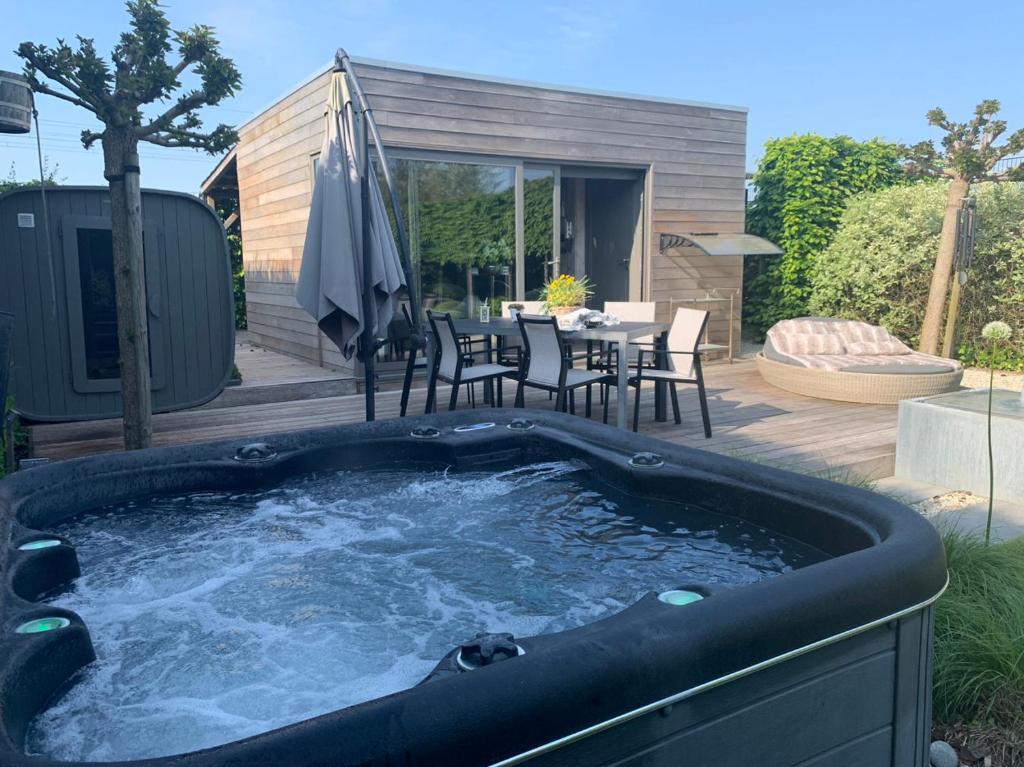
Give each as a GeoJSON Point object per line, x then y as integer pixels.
{"type": "Point", "coordinates": [217, 616]}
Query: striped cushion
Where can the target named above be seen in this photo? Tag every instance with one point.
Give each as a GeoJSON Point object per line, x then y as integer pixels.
{"type": "Point", "coordinates": [890, 346]}
{"type": "Point", "coordinates": [853, 331]}
{"type": "Point", "coordinates": [807, 343]}
{"type": "Point", "coordinates": [804, 325]}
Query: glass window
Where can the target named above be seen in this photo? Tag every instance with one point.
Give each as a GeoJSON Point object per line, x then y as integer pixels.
{"type": "Point", "coordinates": [462, 232]}
{"type": "Point", "coordinates": [538, 233]}
{"type": "Point", "coordinates": [99, 307]}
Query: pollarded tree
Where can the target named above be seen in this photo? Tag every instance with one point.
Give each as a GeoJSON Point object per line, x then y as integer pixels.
{"type": "Point", "coordinates": [116, 93]}
{"type": "Point", "coordinates": [969, 154]}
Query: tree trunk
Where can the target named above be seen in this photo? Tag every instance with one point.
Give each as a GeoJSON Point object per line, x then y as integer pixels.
{"type": "Point", "coordinates": [121, 168]}
{"type": "Point", "coordinates": [932, 326]}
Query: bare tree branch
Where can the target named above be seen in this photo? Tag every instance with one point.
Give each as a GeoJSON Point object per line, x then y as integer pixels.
{"type": "Point", "coordinates": [218, 140]}
{"type": "Point", "coordinates": [184, 105]}
{"type": "Point", "coordinates": [90, 137]}
{"type": "Point", "coordinates": [39, 87]}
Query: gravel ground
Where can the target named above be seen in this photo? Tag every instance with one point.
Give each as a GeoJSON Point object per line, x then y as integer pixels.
{"type": "Point", "coordinates": [951, 501]}
{"type": "Point", "coordinates": [977, 378]}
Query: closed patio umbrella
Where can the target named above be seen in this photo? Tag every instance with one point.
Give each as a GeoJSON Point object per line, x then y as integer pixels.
{"type": "Point", "coordinates": [351, 271]}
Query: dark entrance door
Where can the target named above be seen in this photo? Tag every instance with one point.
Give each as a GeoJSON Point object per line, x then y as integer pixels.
{"type": "Point", "coordinates": [612, 218]}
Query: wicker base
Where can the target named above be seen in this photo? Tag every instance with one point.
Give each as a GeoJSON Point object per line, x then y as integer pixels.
{"type": "Point", "coordinates": [869, 388]}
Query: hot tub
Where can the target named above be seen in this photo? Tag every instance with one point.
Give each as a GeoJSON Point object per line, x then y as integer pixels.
{"type": "Point", "coordinates": [639, 603]}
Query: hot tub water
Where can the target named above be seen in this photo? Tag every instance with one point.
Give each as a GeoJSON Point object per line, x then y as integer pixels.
{"type": "Point", "coordinates": [219, 616]}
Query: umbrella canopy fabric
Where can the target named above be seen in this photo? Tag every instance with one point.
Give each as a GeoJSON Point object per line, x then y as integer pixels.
{"type": "Point", "coordinates": [331, 280]}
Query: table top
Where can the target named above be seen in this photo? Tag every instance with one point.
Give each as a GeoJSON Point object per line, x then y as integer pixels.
{"type": "Point", "coordinates": [624, 331]}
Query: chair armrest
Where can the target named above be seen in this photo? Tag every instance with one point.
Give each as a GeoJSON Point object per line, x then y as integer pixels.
{"type": "Point", "coordinates": [654, 352]}
{"type": "Point", "coordinates": [668, 351]}
{"type": "Point", "coordinates": [479, 352]}
{"type": "Point", "coordinates": [597, 353]}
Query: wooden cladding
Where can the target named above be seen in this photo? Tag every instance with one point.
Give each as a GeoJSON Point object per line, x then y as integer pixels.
{"type": "Point", "coordinates": [693, 157]}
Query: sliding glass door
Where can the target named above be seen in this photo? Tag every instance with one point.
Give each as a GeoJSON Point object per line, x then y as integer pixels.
{"type": "Point", "coordinates": [461, 221]}
{"type": "Point", "coordinates": [540, 247]}
{"type": "Point", "coordinates": [482, 229]}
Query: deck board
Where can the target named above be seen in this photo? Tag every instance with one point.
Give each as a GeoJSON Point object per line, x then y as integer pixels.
{"type": "Point", "coordinates": [750, 418]}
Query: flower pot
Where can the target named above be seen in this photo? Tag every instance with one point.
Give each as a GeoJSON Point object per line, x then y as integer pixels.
{"type": "Point", "coordinates": [558, 311]}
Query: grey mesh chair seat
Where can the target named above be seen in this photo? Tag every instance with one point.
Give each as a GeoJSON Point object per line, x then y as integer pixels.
{"type": "Point", "coordinates": [573, 378]}
{"type": "Point", "coordinates": [487, 370]}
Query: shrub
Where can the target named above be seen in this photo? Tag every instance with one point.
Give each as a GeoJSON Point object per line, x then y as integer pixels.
{"type": "Point", "coordinates": [878, 267]}
{"type": "Point", "coordinates": [979, 634]}
{"type": "Point", "coordinates": [19, 436]}
{"type": "Point", "coordinates": [802, 184]}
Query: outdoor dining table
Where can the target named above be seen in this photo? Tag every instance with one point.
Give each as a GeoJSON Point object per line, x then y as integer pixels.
{"type": "Point", "coordinates": [620, 335]}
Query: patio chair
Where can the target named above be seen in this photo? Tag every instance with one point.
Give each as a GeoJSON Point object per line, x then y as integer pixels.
{"type": "Point", "coordinates": [628, 311]}
{"type": "Point", "coordinates": [400, 333]}
{"type": "Point", "coordinates": [547, 364]}
{"type": "Point", "coordinates": [454, 365]}
{"type": "Point", "coordinates": [633, 311]}
{"type": "Point", "coordinates": [679, 363]}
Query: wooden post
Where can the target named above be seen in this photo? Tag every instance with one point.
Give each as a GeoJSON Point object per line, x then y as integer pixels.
{"type": "Point", "coordinates": [952, 316]}
{"type": "Point", "coordinates": [732, 319]}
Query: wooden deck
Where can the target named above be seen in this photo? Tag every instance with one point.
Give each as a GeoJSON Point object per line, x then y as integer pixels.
{"type": "Point", "coordinates": [750, 418]}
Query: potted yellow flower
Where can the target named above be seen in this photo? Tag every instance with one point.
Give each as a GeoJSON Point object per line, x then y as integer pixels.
{"type": "Point", "coordinates": [566, 294]}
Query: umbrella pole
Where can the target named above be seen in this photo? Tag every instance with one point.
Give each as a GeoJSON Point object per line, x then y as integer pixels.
{"type": "Point", "coordinates": [369, 342]}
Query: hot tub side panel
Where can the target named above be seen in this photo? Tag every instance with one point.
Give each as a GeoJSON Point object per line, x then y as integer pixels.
{"type": "Point", "coordinates": [863, 701]}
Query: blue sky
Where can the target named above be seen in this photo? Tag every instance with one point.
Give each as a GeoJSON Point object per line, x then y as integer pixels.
{"type": "Point", "coordinates": [863, 69]}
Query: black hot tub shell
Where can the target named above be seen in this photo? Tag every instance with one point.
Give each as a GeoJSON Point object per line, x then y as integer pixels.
{"type": "Point", "coordinates": [826, 665]}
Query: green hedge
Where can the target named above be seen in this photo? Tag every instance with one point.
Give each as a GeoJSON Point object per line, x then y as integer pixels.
{"type": "Point", "coordinates": [878, 267]}
{"type": "Point", "coordinates": [803, 183]}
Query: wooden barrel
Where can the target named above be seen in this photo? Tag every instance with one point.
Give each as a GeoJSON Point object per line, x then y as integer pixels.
{"type": "Point", "coordinates": [15, 103]}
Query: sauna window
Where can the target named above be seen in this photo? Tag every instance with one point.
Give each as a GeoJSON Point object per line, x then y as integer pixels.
{"type": "Point", "coordinates": [92, 304]}
{"type": "Point", "coordinates": [99, 305]}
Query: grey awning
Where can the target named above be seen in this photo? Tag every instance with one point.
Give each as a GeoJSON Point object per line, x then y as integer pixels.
{"type": "Point", "coordinates": [714, 244]}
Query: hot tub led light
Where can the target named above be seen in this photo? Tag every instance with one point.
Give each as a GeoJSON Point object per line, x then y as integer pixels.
{"type": "Point", "coordinates": [40, 625]}
{"type": "Point", "coordinates": [40, 543]}
{"type": "Point", "coordinates": [474, 427]}
{"type": "Point", "coordinates": [679, 597]}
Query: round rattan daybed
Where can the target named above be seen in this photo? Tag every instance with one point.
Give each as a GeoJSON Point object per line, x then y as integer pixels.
{"type": "Point", "coordinates": [869, 388]}
{"type": "Point", "coordinates": [852, 362]}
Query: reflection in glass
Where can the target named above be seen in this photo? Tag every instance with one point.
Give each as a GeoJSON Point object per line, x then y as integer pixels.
{"type": "Point", "coordinates": [538, 223]}
{"type": "Point", "coordinates": [461, 225]}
